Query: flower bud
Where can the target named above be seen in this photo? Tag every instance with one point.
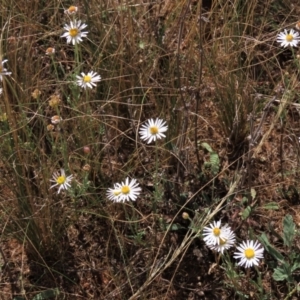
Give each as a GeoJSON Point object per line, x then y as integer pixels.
{"type": "Point", "coordinates": [56, 119]}
{"type": "Point", "coordinates": [86, 168]}
{"type": "Point", "coordinates": [50, 51]}
{"type": "Point", "coordinates": [185, 216]}
{"type": "Point", "coordinates": [86, 149]}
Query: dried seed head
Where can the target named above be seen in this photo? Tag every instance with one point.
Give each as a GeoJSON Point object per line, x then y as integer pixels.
{"type": "Point", "coordinates": [36, 93]}
{"type": "Point", "coordinates": [86, 149]}
{"type": "Point", "coordinates": [54, 101]}
{"type": "Point", "coordinates": [56, 119]}
{"type": "Point", "coordinates": [86, 168]}
{"type": "Point", "coordinates": [71, 10]}
{"type": "Point", "coordinates": [50, 51]}
{"type": "Point", "coordinates": [50, 127]}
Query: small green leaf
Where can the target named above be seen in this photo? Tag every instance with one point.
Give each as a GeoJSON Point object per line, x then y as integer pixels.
{"type": "Point", "coordinates": [271, 206]}
{"type": "Point", "coordinates": [269, 248]}
{"type": "Point", "coordinates": [288, 230]}
{"type": "Point", "coordinates": [283, 272]}
{"type": "Point", "coordinates": [279, 274]}
{"type": "Point", "coordinates": [244, 200]}
{"type": "Point", "coordinates": [246, 213]}
{"type": "Point", "coordinates": [253, 193]}
{"type": "Point", "coordinates": [174, 227]}
{"type": "Point", "coordinates": [215, 163]}
{"type": "Point", "coordinates": [207, 147]}
{"type": "Point", "coordinates": [46, 294]}
{"type": "Point", "coordinates": [295, 267]}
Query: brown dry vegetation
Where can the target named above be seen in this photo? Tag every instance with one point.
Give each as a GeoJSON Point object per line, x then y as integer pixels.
{"type": "Point", "coordinates": [214, 72]}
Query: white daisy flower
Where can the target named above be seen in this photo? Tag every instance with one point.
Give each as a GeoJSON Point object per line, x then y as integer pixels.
{"type": "Point", "coordinates": [114, 193]}
{"type": "Point", "coordinates": [74, 32]}
{"type": "Point", "coordinates": [129, 190]}
{"type": "Point", "coordinates": [3, 71]}
{"type": "Point", "coordinates": [61, 180]}
{"type": "Point", "coordinates": [153, 130]}
{"type": "Point", "coordinates": [249, 253]}
{"type": "Point", "coordinates": [214, 233]}
{"type": "Point", "coordinates": [288, 39]}
{"type": "Point", "coordinates": [88, 80]}
{"type": "Point", "coordinates": [71, 10]}
{"type": "Point", "coordinates": [224, 243]}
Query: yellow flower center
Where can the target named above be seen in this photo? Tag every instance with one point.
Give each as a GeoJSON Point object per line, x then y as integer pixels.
{"type": "Point", "coordinates": [249, 253]}
{"type": "Point", "coordinates": [125, 189]}
{"type": "Point", "coordinates": [61, 179]}
{"type": "Point", "coordinates": [216, 231]}
{"type": "Point", "coordinates": [117, 192]}
{"type": "Point", "coordinates": [223, 241]}
{"type": "Point", "coordinates": [73, 32]}
{"type": "Point", "coordinates": [153, 129]}
{"type": "Point", "coordinates": [289, 37]}
{"type": "Point", "coordinates": [87, 78]}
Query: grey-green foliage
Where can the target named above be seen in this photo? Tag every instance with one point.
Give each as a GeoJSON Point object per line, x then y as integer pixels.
{"type": "Point", "coordinates": [214, 160]}
{"type": "Point", "coordinates": [43, 295]}
{"type": "Point", "coordinates": [288, 230]}
{"type": "Point", "coordinates": [47, 294]}
{"type": "Point", "coordinates": [289, 260]}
